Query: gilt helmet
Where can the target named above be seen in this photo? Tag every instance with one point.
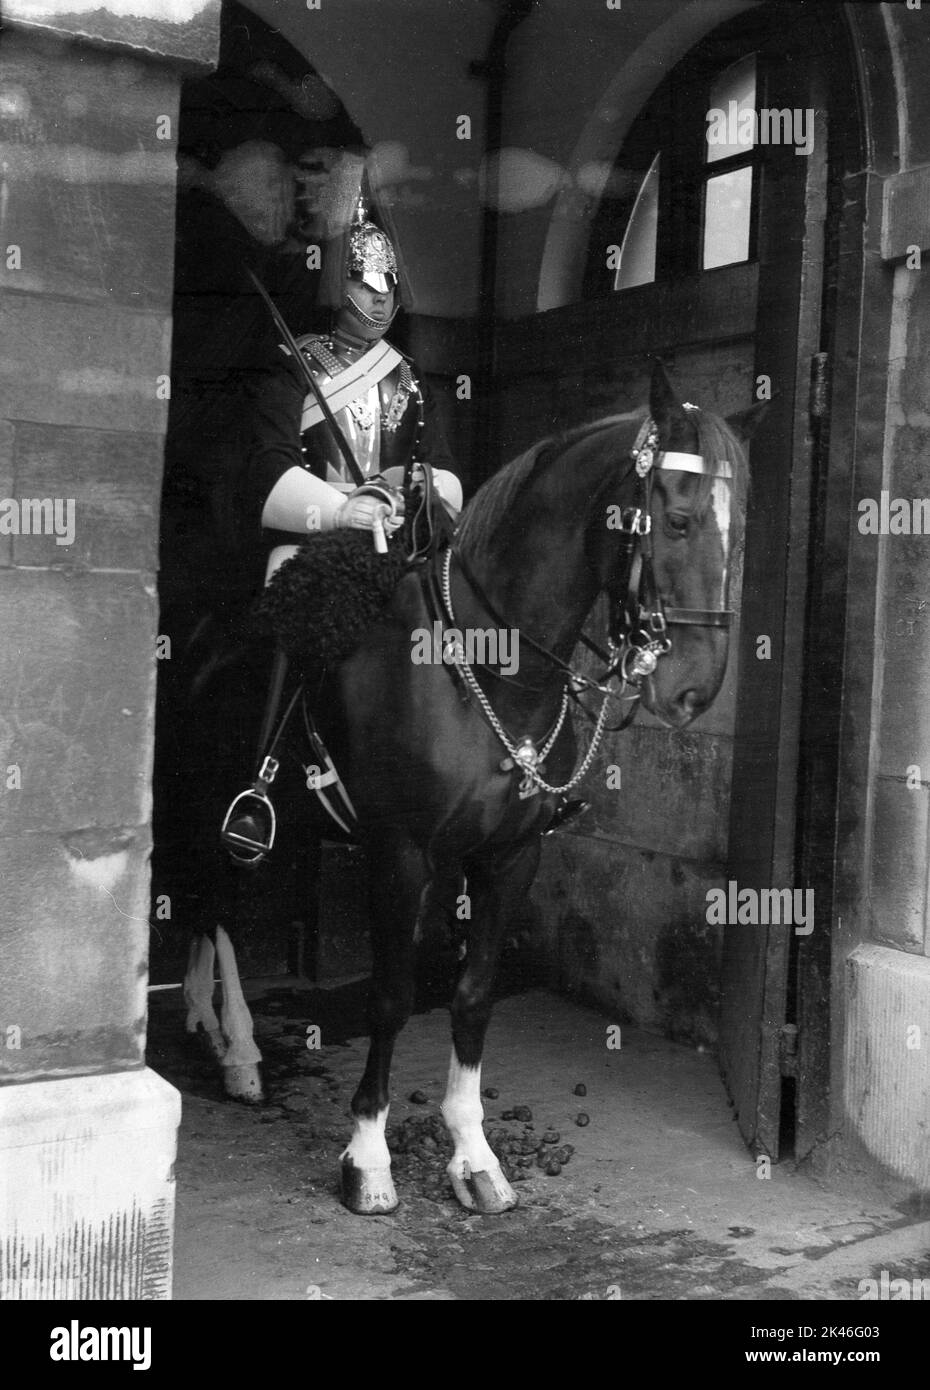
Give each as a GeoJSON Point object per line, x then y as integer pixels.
{"type": "Point", "coordinates": [371, 257]}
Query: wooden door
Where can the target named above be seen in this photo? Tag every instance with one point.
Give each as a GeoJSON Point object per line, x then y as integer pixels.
{"type": "Point", "coordinates": [755, 1045]}
{"type": "Point", "coordinates": [734, 321]}
{"type": "Point", "coordinates": [775, 295]}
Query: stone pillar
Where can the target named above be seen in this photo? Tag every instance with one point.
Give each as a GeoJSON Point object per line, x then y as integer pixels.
{"type": "Point", "coordinates": [887, 1029]}
{"type": "Point", "coordinates": [887, 1034]}
{"type": "Point", "coordinates": [87, 187]}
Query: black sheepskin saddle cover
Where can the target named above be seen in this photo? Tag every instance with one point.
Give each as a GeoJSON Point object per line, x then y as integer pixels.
{"type": "Point", "coordinates": [320, 604]}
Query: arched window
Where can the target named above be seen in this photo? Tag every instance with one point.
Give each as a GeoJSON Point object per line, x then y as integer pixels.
{"type": "Point", "coordinates": [683, 194]}
{"type": "Point", "coordinates": [638, 253]}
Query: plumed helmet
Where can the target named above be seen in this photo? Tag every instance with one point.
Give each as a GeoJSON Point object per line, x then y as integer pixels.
{"type": "Point", "coordinates": [371, 255]}
{"type": "Point", "coordinates": [355, 245]}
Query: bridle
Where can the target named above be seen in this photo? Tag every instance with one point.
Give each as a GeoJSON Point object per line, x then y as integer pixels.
{"type": "Point", "coordinates": [637, 633]}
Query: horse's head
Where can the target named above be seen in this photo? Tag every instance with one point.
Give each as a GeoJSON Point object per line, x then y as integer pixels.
{"type": "Point", "coordinates": [663, 561]}
{"type": "Point", "coordinates": [695, 491]}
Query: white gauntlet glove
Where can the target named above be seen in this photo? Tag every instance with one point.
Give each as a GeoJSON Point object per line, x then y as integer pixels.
{"type": "Point", "coordinates": [372, 508]}
{"type": "Point", "coordinates": [364, 512]}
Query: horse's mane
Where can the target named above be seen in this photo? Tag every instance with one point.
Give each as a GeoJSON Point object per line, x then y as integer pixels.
{"type": "Point", "coordinates": [495, 498]}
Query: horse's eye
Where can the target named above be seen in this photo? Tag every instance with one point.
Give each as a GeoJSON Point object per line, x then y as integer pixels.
{"type": "Point", "coordinates": [676, 525]}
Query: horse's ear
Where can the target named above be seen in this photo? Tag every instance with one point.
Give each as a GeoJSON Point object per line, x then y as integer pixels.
{"type": "Point", "coordinates": [744, 423]}
{"type": "Point", "coordinates": [664, 405]}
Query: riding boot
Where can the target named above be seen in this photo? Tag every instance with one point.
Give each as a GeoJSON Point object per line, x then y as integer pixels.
{"type": "Point", "coordinates": [248, 831]}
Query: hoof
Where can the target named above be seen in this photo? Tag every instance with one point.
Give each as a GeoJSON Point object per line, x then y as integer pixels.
{"type": "Point", "coordinates": [368, 1191]}
{"type": "Point", "coordinates": [488, 1193]}
{"type": "Point", "coordinates": [212, 1042]}
{"type": "Point", "coordinates": [244, 1083]}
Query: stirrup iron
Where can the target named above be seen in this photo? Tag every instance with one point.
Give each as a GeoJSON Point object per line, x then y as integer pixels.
{"type": "Point", "coordinates": [249, 826]}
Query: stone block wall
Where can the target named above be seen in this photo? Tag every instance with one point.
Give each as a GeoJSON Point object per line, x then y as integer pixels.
{"type": "Point", "coordinates": [88, 122]}
{"type": "Point", "coordinates": [87, 214]}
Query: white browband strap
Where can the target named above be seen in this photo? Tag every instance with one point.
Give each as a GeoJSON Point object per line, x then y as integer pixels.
{"type": "Point", "coordinates": [647, 454]}
{"type": "Point", "coordinates": [694, 463]}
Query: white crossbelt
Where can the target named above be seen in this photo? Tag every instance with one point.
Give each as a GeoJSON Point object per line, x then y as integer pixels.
{"type": "Point", "coordinates": [356, 380]}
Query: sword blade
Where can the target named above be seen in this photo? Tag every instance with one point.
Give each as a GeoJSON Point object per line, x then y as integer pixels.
{"type": "Point", "coordinates": [304, 366]}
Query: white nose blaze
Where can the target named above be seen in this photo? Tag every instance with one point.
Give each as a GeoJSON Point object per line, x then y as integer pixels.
{"type": "Point", "coordinates": [720, 501]}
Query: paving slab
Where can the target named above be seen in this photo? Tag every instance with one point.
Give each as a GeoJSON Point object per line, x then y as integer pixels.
{"type": "Point", "coordinates": [660, 1199]}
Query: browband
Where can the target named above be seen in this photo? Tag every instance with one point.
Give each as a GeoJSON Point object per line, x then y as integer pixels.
{"type": "Point", "coordinates": [647, 455]}
{"type": "Point", "coordinates": [694, 463]}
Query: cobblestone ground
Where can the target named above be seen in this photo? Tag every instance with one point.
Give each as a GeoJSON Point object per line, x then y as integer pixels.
{"type": "Point", "coordinates": [659, 1200]}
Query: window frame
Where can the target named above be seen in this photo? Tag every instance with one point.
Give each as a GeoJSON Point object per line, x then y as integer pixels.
{"type": "Point", "coordinates": [673, 124]}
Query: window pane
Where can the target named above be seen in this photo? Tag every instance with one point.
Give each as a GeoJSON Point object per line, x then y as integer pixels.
{"type": "Point", "coordinates": [727, 203]}
{"type": "Point", "coordinates": [729, 130]}
{"type": "Point", "coordinates": [638, 252]}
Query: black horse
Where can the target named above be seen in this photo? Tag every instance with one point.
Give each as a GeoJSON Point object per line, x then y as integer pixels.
{"type": "Point", "coordinates": [455, 769]}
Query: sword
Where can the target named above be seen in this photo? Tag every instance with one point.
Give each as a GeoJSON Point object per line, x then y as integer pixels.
{"type": "Point", "coordinates": [291, 343]}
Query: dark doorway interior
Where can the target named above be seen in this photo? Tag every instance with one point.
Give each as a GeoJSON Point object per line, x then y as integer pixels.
{"type": "Point", "coordinates": [257, 141]}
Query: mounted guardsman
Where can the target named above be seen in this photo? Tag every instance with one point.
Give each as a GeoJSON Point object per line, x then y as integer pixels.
{"type": "Point", "coordinates": [299, 471]}
{"type": "Point", "coordinates": [335, 456]}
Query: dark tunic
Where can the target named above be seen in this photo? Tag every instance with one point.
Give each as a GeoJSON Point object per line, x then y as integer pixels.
{"type": "Point", "coordinates": [277, 444]}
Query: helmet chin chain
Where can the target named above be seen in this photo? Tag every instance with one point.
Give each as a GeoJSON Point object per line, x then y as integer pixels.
{"type": "Point", "coordinates": [383, 324]}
